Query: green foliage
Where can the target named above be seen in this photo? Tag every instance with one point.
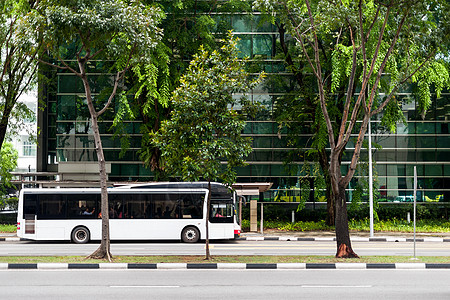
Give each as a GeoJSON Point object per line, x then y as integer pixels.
{"type": "Point", "coordinates": [434, 75]}
{"type": "Point", "coordinates": [393, 115]}
{"type": "Point", "coordinates": [303, 226]}
{"type": "Point", "coordinates": [204, 129]}
{"type": "Point", "coordinates": [395, 225]}
{"type": "Point", "coordinates": [8, 162]}
{"type": "Point", "coordinates": [341, 60]}
{"type": "Point", "coordinates": [10, 228]}
{"type": "Point", "coordinates": [120, 32]}
{"type": "Point", "coordinates": [111, 27]}
{"type": "Point", "coordinates": [17, 70]}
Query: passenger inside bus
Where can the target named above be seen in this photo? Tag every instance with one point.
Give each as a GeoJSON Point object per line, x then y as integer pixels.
{"type": "Point", "coordinates": [88, 213]}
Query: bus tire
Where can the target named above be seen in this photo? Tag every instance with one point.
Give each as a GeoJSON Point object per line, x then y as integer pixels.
{"type": "Point", "coordinates": [190, 234]}
{"type": "Point", "coordinates": [80, 235]}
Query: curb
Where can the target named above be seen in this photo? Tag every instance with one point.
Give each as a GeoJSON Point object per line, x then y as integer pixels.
{"type": "Point", "coordinates": [333, 239]}
{"type": "Point", "coordinates": [221, 266]}
{"type": "Point", "coordinates": [303, 239]}
{"type": "Point", "coordinates": [13, 239]}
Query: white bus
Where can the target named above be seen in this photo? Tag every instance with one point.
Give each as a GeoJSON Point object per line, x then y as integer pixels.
{"type": "Point", "coordinates": [153, 211]}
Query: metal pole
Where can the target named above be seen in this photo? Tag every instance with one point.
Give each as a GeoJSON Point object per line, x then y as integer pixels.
{"type": "Point", "coordinates": [414, 214]}
{"type": "Point", "coordinates": [370, 182]}
{"type": "Point", "coordinates": [240, 210]}
{"type": "Point", "coordinates": [262, 218]}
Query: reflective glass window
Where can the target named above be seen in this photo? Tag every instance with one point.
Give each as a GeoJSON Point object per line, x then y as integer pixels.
{"type": "Point", "coordinates": [67, 107]}
{"type": "Point", "coordinates": [426, 142]}
{"type": "Point", "coordinates": [425, 127]}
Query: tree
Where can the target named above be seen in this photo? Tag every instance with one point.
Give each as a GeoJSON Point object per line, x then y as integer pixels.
{"type": "Point", "coordinates": [368, 39]}
{"type": "Point", "coordinates": [8, 162]}
{"type": "Point", "coordinates": [205, 129]}
{"type": "Point", "coordinates": [190, 25]}
{"type": "Point", "coordinates": [107, 30]}
{"type": "Point", "coordinates": [17, 67]}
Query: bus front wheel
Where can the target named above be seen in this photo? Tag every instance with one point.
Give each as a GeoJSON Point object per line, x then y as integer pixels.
{"type": "Point", "coordinates": [190, 235]}
{"type": "Point", "coordinates": [80, 235]}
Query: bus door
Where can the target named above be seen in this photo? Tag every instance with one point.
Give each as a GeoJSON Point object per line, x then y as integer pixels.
{"type": "Point", "coordinates": [29, 214]}
{"type": "Point", "coordinates": [221, 219]}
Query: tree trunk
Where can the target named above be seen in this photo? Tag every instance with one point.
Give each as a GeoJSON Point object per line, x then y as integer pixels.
{"type": "Point", "coordinates": [331, 207]}
{"type": "Point", "coordinates": [3, 126]}
{"type": "Point", "coordinates": [208, 205]}
{"type": "Point", "coordinates": [344, 246]}
{"type": "Point", "coordinates": [103, 252]}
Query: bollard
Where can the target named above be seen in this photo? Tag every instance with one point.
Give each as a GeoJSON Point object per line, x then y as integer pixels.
{"type": "Point", "coordinates": [408, 217]}
{"type": "Point", "coordinates": [293, 217]}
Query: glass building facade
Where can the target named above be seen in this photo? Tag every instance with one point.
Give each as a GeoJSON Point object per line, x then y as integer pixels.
{"type": "Point", "coordinates": [422, 142]}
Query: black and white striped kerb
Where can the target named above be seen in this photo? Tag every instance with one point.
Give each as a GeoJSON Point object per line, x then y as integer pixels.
{"type": "Point", "coordinates": [218, 266]}
{"type": "Point", "coordinates": [303, 239]}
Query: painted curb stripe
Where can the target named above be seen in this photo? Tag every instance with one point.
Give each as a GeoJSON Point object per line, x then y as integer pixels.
{"type": "Point", "coordinates": [291, 266]}
{"type": "Point", "coordinates": [410, 266]}
{"type": "Point", "coordinates": [52, 266]}
{"type": "Point", "coordinates": [202, 266]}
{"type": "Point", "coordinates": [84, 266]}
{"type": "Point", "coordinates": [320, 266]}
{"type": "Point", "coordinates": [113, 266]}
{"type": "Point", "coordinates": [261, 266]}
{"type": "Point", "coordinates": [232, 266]}
{"type": "Point", "coordinates": [22, 266]}
{"type": "Point", "coordinates": [394, 239]}
{"type": "Point", "coordinates": [300, 239]}
{"type": "Point", "coordinates": [255, 238]}
{"type": "Point", "coordinates": [380, 266]}
{"type": "Point", "coordinates": [287, 239]}
{"type": "Point", "coordinates": [350, 266]}
{"type": "Point", "coordinates": [326, 239]}
{"type": "Point", "coordinates": [214, 266]}
{"type": "Point", "coordinates": [374, 239]}
{"type": "Point", "coordinates": [142, 266]}
{"type": "Point", "coordinates": [166, 266]}
{"type": "Point", "coordinates": [417, 240]}
{"type": "Point", "coordinates": [437, 266]}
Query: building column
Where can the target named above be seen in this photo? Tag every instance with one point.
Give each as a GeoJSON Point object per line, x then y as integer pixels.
{"type": "Point", "coordinates": [253, 215]}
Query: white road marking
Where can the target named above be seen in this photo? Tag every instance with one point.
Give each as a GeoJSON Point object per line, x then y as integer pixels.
{"type": "Point", "coordinates": [336, 286]}
{"type": "Point", "coordinates": [144, 286]}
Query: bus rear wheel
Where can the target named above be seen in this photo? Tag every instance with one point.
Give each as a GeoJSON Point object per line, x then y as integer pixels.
{"type": "Point", "coordinates": [190, 235]}
{"type": "Point", "coordinates": [80, 235]}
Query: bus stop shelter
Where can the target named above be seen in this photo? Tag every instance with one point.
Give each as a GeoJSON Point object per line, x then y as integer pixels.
{"type": "Point", "coordinates": [251, 189]}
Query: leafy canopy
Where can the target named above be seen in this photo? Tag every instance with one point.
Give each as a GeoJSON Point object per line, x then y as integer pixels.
{"type": "Point", "coordinates": [111, 27]}
{"type": "Point", "coordinates": [205, 127]}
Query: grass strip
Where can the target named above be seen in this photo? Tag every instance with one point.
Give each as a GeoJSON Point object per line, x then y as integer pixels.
{"type": "Point", "coordinates": [198, 259]}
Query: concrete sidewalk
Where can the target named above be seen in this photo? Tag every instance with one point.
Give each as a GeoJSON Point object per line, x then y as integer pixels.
{"type": "Point", "coordinates": [278, 235]}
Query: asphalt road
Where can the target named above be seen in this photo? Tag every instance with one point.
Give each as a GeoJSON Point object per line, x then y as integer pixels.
{"type": "Point", "coordinates": [226, 248]}
{"type": "Point", "coordinates": [226, 284]}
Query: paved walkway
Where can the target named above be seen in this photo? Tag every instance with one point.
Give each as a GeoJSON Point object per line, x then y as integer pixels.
{"type": "Point", "coordinates": [353, 234]}
{"type": "Point", "coordinates": [278, 235]}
